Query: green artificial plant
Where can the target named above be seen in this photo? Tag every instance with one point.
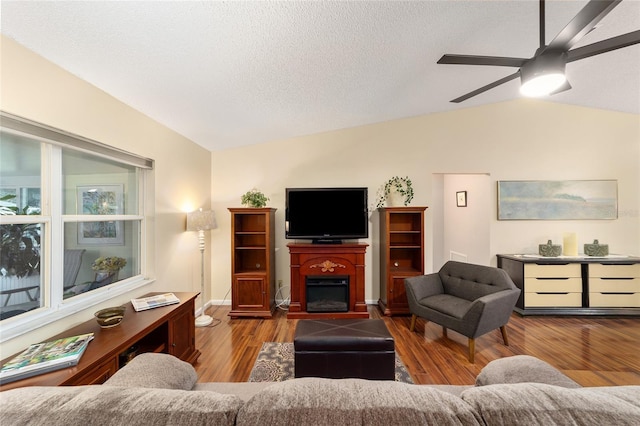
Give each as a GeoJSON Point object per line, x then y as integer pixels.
{"type": "Point", "coordinates": [254, 198]}
{"type": "Point", "coordinates": [401, 185]}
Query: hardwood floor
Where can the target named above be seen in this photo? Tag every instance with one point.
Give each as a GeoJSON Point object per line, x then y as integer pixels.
{"type": "Point", "coordinates": [592, 351]}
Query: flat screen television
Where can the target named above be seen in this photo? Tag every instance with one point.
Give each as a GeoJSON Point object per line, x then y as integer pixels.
{"type": "Point", "coordinates": [326, 214]}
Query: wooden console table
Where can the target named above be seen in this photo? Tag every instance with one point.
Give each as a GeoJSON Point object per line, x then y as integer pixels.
{"type": "Point", "coordinates": [169, 329]}
{"type": "Point", "coordinates": [325, 260]}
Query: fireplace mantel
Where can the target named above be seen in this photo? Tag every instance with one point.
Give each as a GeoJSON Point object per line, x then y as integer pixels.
{"type": "Point", "coordinates": [325, 260]}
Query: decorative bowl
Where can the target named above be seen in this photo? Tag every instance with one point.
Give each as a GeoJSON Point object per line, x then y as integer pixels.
{"type": "Point", "coordinates": [549, 249]}
{"type": "Point", "coordinates": [110, 317]}
{"type": "Point", "coordinates": [596, 249]}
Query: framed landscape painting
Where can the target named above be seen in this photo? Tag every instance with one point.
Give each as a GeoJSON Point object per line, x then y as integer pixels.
{"type": "Point", "coordinates": [100, 200]}
{"type": "Point", "coordinates": [557, 200]}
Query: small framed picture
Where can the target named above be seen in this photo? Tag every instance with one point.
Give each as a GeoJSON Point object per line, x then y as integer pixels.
{"type": "Point", "coordinates": [461, 198]}
{"type": "Point", "coordinates": [101, 200]}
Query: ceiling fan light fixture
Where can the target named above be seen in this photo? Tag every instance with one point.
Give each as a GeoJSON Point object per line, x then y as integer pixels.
{"type": "Point", "coordinates": [542, 85]}
{"type": "Point", "coordinates": [543, 75]}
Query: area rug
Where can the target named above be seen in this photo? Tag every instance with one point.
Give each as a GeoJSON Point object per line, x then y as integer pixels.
{"type": "Point", "coordinates": [275, 364]}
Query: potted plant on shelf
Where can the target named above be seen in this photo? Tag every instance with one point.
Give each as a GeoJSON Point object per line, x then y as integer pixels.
{"type": "Point", "coordinates": [108, 268]}
{"type": "Point", "coordinates": [397, 190]}
{"type": "Point", "coordinates": [254, 198]}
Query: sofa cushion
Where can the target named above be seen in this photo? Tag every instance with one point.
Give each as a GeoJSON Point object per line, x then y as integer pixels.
{"type": "Point", "coordinates": [152, 370]}
{"type": "Point", "coordinates": [542, 404]}
{"type": "Point", "coordinates": [111, 405]}
{"type": "Point", "coordinates": [243, 390]}
{"type": "Point", "coordinates": [354, 402]}
{"type": "Point", "coordinates": [522, 369]}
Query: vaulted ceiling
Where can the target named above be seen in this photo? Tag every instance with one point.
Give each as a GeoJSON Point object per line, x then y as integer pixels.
{"type": "Point", "coordinates": [233, 73]}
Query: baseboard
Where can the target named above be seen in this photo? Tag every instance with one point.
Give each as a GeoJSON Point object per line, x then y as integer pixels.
{"type": "Point", "coordinates": [227, 302]}
{"type": "Point", "coordinates": [211, 303]}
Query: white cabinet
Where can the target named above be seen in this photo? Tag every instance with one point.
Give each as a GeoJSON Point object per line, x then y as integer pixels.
{"type": "Point", "coordinates": [552, 285]}
{"type": "Point", "coordinates": [613, 285]}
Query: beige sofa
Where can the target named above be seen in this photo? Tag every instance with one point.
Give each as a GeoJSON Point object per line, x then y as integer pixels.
{"type": "Point", "coordinates": [156, 389]}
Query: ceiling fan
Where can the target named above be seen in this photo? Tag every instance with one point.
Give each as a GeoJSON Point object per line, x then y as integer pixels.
{"type": "Point", "coordinates": [543, 74]}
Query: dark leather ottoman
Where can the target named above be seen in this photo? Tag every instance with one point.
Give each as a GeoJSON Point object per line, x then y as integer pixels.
{"type": "Point", "coordinates": [344, 348]}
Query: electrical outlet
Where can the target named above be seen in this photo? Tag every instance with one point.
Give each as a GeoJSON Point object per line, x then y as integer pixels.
{"type": "Point", "coordinates": [279, 283]}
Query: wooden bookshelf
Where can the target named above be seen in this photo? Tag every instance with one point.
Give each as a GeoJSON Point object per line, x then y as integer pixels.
{"type": "Point", "coordinates": [401, 255]}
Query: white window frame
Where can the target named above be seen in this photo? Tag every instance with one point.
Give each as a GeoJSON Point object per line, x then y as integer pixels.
{"type": "Point", "coordinates": [54, 307]}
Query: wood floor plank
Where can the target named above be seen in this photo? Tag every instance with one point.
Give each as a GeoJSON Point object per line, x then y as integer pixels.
{"type": "Point", "coordinates": [592, 351]}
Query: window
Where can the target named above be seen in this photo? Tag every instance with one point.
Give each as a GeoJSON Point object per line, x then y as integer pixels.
{"type": "Point", "coordinates": [72, 224]}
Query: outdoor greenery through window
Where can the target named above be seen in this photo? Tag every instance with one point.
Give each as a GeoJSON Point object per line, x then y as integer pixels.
{"type": "Point", "coordinates": [71, 226]}
{"type": "Point", "coordinates": [20, 238]}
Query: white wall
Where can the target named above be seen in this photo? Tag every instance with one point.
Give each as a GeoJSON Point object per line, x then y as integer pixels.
{"type": "Point", "coordinates": [36, 89]}
{"type": "Point", "coordinates": [466, 229]}
{"type": "Point", "coordinates": [517, 140]}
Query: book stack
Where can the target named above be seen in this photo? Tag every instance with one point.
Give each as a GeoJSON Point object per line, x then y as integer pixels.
{"type": "Point", "coordinates": [154, 301]}
{"type": "Point", "coordinates": [44, 357]}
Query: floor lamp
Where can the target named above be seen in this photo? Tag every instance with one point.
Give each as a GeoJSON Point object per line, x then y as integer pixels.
{"type": "Point", "coordinates": [201, 221]}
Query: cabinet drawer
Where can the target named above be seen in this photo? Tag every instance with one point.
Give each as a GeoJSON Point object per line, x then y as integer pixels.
{"type": "Point", "coordinates": [553, 285]}
{"type": "Point", "coordinates": [604, 300]}
{"type": "Point", "coordinates": [601, 285]}
{"type": "Point", "coordinates": [552, 300]}
{"type": "Point", "coordinates": [98, 375]}
{"type": "Point", "coordinates": [614, 271]}
{"type": "Point", "coordinates": [552, 271]}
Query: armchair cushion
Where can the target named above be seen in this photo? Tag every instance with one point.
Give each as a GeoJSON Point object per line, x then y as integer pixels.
{"type": "Point", "coordinates": [447, 304]}
{"type": "Point", "coordinates": [471, 282]}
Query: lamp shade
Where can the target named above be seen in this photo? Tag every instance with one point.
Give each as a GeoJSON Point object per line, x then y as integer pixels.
{"type": "Point", "coordinates": [544, 74]}
{"type": "Point", "coordinates": [200, 220]}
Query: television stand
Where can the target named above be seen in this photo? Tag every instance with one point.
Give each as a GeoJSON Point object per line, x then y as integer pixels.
{"type": "Point", "coordinates": [325, 261]}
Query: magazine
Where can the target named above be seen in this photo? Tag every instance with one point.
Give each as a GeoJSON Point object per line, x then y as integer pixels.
{"type": "Point", "coordinates": [154, 301]}
{"type": "Point", "coordinates": [44, 357]}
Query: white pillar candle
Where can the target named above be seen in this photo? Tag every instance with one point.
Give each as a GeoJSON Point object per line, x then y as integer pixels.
{"type": "Point", "coordinates": [570, 244]}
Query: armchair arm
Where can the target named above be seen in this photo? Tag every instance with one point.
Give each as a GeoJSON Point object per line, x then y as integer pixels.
{"type": "Point", "coordinates": [491, 311]}
{"type": "Point", "coordinates": [421, 286]}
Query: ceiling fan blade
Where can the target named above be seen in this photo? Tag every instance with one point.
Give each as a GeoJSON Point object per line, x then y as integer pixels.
{"type": "Point", "coordinates": [500, 61]}
{"type": "Point", "coordinates": [487, 87]}
{"type": "Point", "coordinates": [604, 46]}
{"type": "Point", "coordinates": [564, 87]}
{"type": "Point", "coordinates": [581, 24]}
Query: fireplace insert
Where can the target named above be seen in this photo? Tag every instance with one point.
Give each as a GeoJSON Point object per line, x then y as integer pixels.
{"type": "Point", "coordinates": [327, 294]}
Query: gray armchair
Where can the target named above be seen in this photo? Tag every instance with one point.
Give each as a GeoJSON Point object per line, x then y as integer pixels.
{"type": "Point", "coordinates": [470, 299]}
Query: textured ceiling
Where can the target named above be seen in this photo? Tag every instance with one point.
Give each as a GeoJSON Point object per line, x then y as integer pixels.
{"type": "Point", "coordinates": [228, 74]}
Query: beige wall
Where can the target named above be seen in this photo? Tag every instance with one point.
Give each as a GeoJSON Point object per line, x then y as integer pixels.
{"type": "Point", "coordinates": [508, 141]}
{"type": "Point", "coordinates": [36, 89]}
{"type": "Point", "coordinates": [517, 140]}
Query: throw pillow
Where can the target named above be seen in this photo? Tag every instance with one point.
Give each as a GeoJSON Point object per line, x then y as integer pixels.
{"type": "Point", "coordinates": [522, 369]}
{"type": "Point", "coordinates": [151, 370]}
